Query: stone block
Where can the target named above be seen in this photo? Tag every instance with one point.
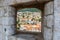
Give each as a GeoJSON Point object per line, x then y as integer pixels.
{"type": "Point", "coordinates": [49, 8]}
{"type": "Point", "coordinates": [12, 38]}
{"type": "Point", "coordinates": [25, 37]}
{"type": "Point", "coordinates": [57, 4]}
{"type": "Point", "coordinates": [23, 1]}
{"type": "Point", "coordinates": [56, 20]}
{"type": "Point", "coordinates": [9, 30]}
{"type": "Point", "coordinates": [6, 2]}
{"type": "Point", "coordinates": [9, 11]}
{"type": "Point", "coordinates": [2, 33]}
{"type": "Point", "coordinates": [47, 34]}
{"type": "Point", "coordinates": [8, 21]}
{"type": "Point", "coordinates": [56, 35]}
{"type": "Point", "coordinates": [13, 2]}
{"type": "Point", "coordinates": [50, 21]}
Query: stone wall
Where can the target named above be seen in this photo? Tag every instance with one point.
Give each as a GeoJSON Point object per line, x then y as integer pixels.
{"type": "Point", "coordinates": [7, 22]}
{"type": "Point", "coordinates": [7, 25]}
{"type": "Point", "coordinates": [48, 21]}
{"type": "Point", "coordinates": [56, 20]}
{"type": "Point", "coordinates": [13, 2]}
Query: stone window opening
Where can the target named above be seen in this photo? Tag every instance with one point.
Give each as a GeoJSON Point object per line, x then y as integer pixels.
{"type": "Point", "coordinates": [27, 18]}
{"type": "Point", "coordinates": [45, 16]}
{"type": "Point", "coordinates": [9, 14]}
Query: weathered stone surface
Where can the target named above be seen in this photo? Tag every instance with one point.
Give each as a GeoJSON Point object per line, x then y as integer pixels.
{"type": "Point", "coordinates": [57, 4]}
{"type": "Point", "coordinates": [1, 12]}
{"type": "Point", "coordinates": [56, 35]}
{"type": "Point", "coordinates": [4, 36]}
{"type": "Point", "coordinates": [8, 21]}
{"type": "Point", "coordinates": [45, 21]}
{"type": "Point", "coordinates": [50, 21]}
{"type": "Point", "coordinates": [23, 1]}
{"type": "Point", "coordinates": [25, 37]}
{"type": "Point", "coordinates": [49, 8]}
{"type": "Point", "coordinates": [0, 20]}
{"type": "Point", "coordinates": [47, 34]}
{"type": "Point", "coordinates": [1, 28]}
{"type": "Point", "coordinates": [1, 36]}
{"type": "Point", "coordinates": [56, 20]}
{"type": "Point", "coordinates": [9, 11]}
{"type": "Point", "coordinates": [9, 30]}
{"type": "Point", "coordinates": [13, 2]}
{"type": "Point", "coordinates": [12, 38]}
{"type": "Point", "coordinates": [7, 2]}
{"type": "Point", "coordinates": [1, 31]}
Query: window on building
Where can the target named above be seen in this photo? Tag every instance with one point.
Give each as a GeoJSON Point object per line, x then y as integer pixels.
{"type": "Point", "coordinates": [29, 19]}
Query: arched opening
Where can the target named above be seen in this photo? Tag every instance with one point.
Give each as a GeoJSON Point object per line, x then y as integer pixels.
{"type": "Point", "coordinates": [29, 20]}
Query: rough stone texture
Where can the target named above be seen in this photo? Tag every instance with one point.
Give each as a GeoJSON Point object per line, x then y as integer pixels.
{"type": "Point", "coordinates": [1, 12]}
{"type": "Point", "coordinates": [56, 20]}
{"type": "Point", "coordinates": [22, 1]}
{"type": "Point", "coordinates": [0, 20]}
{"type": "Point", "coordinates": [56, 34]}
{"type": "Point", "coordinates": [1, 31]}
{"type": "Point", "coordinates": [1, 27]}
{"type": "Point", "coordinates": [12, 38]}
{"type": "Point", "coordinates": [9, 30]}
{"type": "Point", "coordinates": [1, 36]}
{"type": "Point", "coordinates": [6, 11]}
{"type": "Point", "coordinates": [49, 8]}
{"type": "Point", "coordinates": [45, 21]}
{"type": "Point", "coordinates": [12, 2]}
{"type": "Point", "coordinates": [50, 21]}
{"type": "Point", "coordinates": [7, 22]}
{"type": "Point", "coordinates": [25, 37]}
{"type": "Point", "coordinates": [9, 11]}
{"type": "Point", "coordinates": [8, 19]}
{"type": "Point", "coordinates": [8, 14]}
{"type": "Point", "coordinates": [47, 34]}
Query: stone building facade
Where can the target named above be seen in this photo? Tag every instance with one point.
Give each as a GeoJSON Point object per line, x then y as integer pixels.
{"type": "Point", "coordinates": [50, 16]}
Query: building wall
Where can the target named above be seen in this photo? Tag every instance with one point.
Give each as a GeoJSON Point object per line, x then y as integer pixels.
{"type": "Point", "coordinates": [7, 22]}
{"type": "Point", "coordinates": [51, 22]}
{"type": "Point", "coordinates": [48, 21]}
{"type": "Point", "coordinates": [56, 20]}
